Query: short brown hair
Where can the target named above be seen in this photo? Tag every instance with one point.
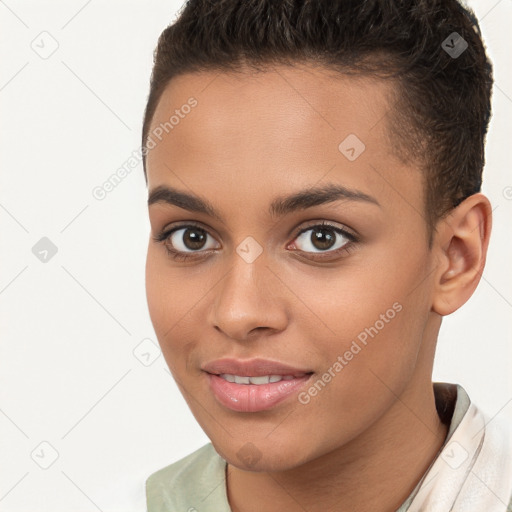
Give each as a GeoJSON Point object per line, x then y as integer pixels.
{"type": "Point", "coordinates": [441, 102]}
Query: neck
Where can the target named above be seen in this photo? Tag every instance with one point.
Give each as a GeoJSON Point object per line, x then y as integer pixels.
{"type": "Point", "coordinates": [376, 471]}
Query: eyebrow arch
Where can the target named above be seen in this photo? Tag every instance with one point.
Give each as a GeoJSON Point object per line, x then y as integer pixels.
{"type": "Point", "coordinates": [300, 200]}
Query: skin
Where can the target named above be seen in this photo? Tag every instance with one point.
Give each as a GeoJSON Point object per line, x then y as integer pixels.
{"type": "Point", "coordinates": [251, 138]}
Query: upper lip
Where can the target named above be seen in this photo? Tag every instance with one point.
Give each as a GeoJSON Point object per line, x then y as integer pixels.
{"type": "Point", "coordinates": [251, 367]}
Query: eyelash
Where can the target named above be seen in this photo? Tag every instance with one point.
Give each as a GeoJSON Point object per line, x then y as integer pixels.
{"type": "Point", "coordinates": [182, 256]}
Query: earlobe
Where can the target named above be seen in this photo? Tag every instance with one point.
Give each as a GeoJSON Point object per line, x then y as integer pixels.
{"type": "Point", "coordinates": [462, 240]}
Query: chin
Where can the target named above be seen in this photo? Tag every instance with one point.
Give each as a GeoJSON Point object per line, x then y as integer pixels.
{"type": "Point", "coordinates": [262, 455]}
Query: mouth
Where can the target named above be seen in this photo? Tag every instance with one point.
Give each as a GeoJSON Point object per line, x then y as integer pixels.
{"type": "Point", "coordinates": [258, 380]}
{"type": "Point", "coordinates": [253, 385]}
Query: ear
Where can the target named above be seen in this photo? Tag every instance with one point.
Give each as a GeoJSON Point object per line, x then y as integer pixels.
{"type": "Point", "coordinates": [461, 243]}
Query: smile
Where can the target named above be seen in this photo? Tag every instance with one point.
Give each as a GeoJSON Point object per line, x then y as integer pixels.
{"type": "Point", "coordinates": [258, 380]}
{"type": "Point", "coordinates": [253, 385]}
{"type": "Point", "coordinates": [253, 394]}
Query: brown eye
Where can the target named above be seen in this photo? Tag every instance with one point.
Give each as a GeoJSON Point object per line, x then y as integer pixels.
{"type": "Point", "coordinates": [322, 238]}
{"type": "Point", "coordinates": [189, 239]}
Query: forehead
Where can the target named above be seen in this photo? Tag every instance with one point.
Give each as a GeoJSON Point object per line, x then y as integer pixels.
{"type": "Point", "coordinates": [302, 100]}
{"type": "Point", "coordinates": [281, 127]}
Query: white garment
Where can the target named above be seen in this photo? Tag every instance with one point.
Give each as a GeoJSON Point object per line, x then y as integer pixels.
{"type": "Point", "coordinates": [473, 471]}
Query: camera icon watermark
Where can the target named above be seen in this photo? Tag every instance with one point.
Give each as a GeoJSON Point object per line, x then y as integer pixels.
{"type": "Point", "coordinates": [351, 147]}
{"type": "Point", "coordinates": [454, 454]}
{"type": "Point", "coordinates": [454, 45]}
{"type": "Point", "coordinates": [44, 44]}
{"type": "Point", "coordinates": [44, 250]}
{"type": "Point", "coordinates": [147, 352]}
{"type": "Point", "coordinates": [44, 455]}
{"type": "Point", "coordinates": [249, 249]}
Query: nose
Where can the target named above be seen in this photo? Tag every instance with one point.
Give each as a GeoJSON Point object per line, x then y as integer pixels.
{"type": "Point", "coordinates": [248, 301]}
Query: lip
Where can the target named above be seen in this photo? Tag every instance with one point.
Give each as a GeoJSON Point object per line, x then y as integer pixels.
{"type": "Point", "coordinates": [251, 367]}
{"type": "Point", "coordinates": [253, 397]}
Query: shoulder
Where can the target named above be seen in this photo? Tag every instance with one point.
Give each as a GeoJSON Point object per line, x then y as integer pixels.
{"type": "Point", "coordinates": [190, 479]}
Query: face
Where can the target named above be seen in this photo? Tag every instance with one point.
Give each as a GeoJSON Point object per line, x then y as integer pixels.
{"type": "Point", "coordinates": [319, 305]}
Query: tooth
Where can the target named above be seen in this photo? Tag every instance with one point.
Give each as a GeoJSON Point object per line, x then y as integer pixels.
{"type": "Point", "coordinates": [264, 379]}
{"type": "Point", "coordinates": [259, 380]}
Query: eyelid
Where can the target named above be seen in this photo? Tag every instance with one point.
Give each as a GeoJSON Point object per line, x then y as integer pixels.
{"type": "Point", "coordinates": [348, 232]}
{"type": "Point", "coordinates": [166, 232]}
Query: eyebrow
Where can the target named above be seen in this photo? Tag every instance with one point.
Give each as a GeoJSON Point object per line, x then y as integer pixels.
{"type": "Point", "coordinates": [300, 200]}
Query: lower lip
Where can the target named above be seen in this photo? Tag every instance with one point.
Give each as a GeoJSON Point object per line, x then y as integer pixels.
{"type": "Point", "coordinates": [252, 397]}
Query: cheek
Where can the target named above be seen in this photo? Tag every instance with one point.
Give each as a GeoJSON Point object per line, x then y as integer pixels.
{"type": "Point", "coordinates": [165, 300]}
{"type": "Point", "coordinates": [370, 363]}
{"type": "Point", "coordinates": [379, 317]}
{"type": "Point", "coordinates": [156, 295]}
{"type": "Point", "coordinates": [172, 299]}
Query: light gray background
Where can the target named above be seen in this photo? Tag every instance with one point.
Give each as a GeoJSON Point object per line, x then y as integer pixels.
{"type": "Point", "coordinates": [69, 327]}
